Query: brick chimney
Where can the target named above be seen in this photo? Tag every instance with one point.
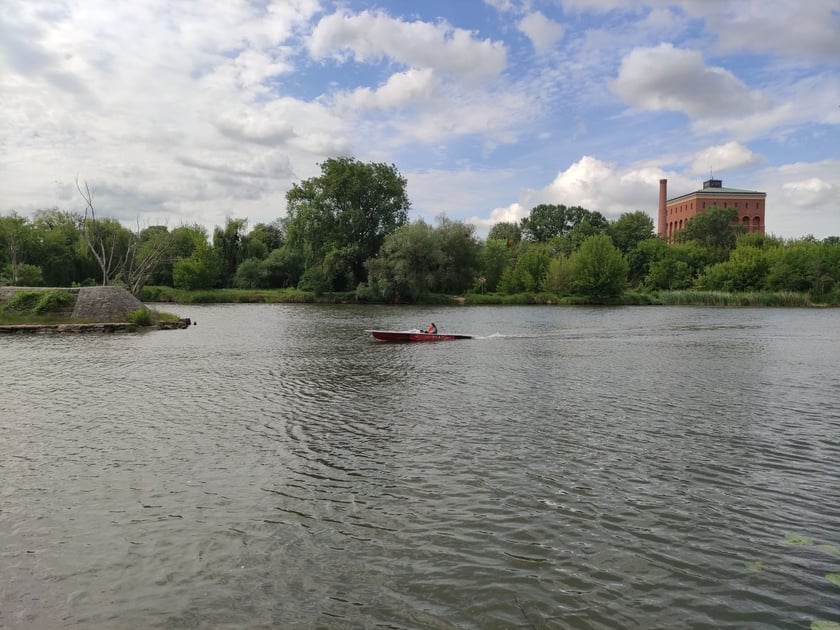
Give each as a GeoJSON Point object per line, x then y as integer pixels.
{"type": "Point", "coordinates": [663, 203]}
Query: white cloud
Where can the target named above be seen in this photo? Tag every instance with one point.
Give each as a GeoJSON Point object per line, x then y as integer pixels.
{"type": "Point", "coordinates": [723, 156]}
{"type": "Point", "coordinates": [542, 32]}
{"type": "Point", "coordinates": [403, 88]}
{"type": "Point", "coordinates": [666, 78]}
{"type": "Point", "coordinates": [371, 37]}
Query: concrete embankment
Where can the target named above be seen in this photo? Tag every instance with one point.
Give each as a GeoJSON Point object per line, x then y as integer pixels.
{"type": "Point", "coordinates": [98, 309]}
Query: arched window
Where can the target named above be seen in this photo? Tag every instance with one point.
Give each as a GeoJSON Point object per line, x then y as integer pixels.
{"type": "Point", "coordinates": [756, 223]}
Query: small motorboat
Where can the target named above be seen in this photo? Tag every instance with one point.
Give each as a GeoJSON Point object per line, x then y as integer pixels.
{"type": "Point", "coordinates": [414, 335]}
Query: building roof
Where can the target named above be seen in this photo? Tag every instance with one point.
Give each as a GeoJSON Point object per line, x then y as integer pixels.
{"type": "Point", "coordinates": [715, 187]}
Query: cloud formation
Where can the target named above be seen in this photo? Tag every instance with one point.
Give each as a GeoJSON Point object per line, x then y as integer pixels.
{"type": "Point", "coordinates": [174, 112]}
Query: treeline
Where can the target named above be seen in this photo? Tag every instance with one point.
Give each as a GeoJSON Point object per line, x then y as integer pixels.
{"type": "Point", "coordinates": [347, 231]}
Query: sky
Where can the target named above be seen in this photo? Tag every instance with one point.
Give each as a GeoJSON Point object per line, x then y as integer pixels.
{"type": "Point", "coordinates": [196, 111]}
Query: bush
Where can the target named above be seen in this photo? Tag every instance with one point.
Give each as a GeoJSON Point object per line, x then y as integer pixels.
{"type": "Point", "coordinates": [141, 317]}
{"type": "Point", "coordinates": [22, 302]}
{"type": "Point", "coordinates": [52, 301]}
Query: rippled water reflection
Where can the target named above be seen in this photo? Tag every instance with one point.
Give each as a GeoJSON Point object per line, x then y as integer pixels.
{"type": "Point", "coordinates": [568, 468]}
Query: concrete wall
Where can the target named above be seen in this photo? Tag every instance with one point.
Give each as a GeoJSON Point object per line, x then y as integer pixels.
{"type": "Point", "coordinates": [94, 304]}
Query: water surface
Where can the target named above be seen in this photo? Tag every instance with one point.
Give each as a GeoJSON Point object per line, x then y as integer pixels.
{"type": "Point", "coordinates": [273, 466]}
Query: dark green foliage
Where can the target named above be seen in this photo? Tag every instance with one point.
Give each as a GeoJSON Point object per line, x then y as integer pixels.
{"type": "Point", "coordinates": [527, 272]}
{"type": "Point", "coordinates": [228, 242]}
{"type": "Point", "coordinates": [509, 233]}
{"type": "Point", "coordinates": [38, 302]}
{"type": "Point", "coordinates": [141, 317]}
{"type": "Point", "coordinates": [630, 229]}
{"type": "Point", "coordinates": [339, 220]}
{"type": "Point", "coordinates": [22, 302]}
{"type": "Point", "coordinates": [251, 274]}
{"type": "Point", "coordinates": [547, 221]}
{"type": "Point", "coordinates": [598, 269]}
{"type": "Point", "coordinates": [716, 229]}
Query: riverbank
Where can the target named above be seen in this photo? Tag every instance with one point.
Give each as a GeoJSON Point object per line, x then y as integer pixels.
{"type": "Point", "coordinates": [160, 294]}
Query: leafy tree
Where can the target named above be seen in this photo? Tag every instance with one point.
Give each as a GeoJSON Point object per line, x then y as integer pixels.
{"type": "Point", "coordinates": [716, 229]}
{"type": "Point", "coordinates": [546, 221]}
{"type": "Point", "coordinates": [405, 267]}
{"type": "Point", "coordinates": [630, 229]}
{"type": "Point", "coordinates": [460, 251]}
{"type": "Point", "coordinates": [642, 256]}
{"type": "Point", "coordinates": [349, 209]}
{"type": "Point", "coordinates": [264, 238]}
{"type": "Point", "coordinates": [185, 239]}
{"type": "Point", "coordinates": [745, 270]}
{"type": "Point", "coordinates": [202, 270]}
{"type": "Point", "coordinates": [677, 266]}
{"type": "Point", "coordinates": [494, 257]}
{"type": "Point", "coordinates": [228, 243]}
{"type": "Point", "coordinates": [283, 267]}
{"type": "Point", "coordinates": [30, 276]}
{"type": "Point", "coordinates": [16, 238]}
{"type": "Point", "coordinates": [526, 274]}
{"type": "Point", "coordinates": [669, 273]}
{"type": "Point", "coordinates": [559, 277]}
{"type": "Point", "coordinates": [251, 274]}
{"type": "Point", "coordinates": [598, 268]}
{"type": "Point", "coordinates": [61, 252]}
{"type": "Point", "coordinates": [509, 233]}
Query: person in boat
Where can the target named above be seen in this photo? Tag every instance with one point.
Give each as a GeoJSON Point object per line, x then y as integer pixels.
{"type": "Point", "coordinates": [432, 329]}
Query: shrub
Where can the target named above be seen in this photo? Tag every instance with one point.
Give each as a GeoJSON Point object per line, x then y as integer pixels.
{"type": "Point", "coordinates": [141, 317]}
{"type": "Point", "coordinates": [52, 301]}
{"type": "Point", "coordinates": [22, 302]}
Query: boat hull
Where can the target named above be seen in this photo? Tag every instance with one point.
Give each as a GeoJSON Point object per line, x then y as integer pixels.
{"type": "Point", "coordinates": [413, 335]}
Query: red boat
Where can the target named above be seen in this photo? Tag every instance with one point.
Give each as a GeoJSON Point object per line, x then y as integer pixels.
{"type": "Point", "coordinates": [414, 335]}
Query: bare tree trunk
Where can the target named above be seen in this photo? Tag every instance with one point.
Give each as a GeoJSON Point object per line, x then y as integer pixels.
{"type": "Point", "coordinates": [95, 239]}
{"type": "Point", "coordinates": [136, 269]}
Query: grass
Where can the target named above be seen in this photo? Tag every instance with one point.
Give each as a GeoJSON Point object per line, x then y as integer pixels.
{"type": "Point", "coordinates": [722, 298]}
{"type": "Point", "coordinates": [628, 298]}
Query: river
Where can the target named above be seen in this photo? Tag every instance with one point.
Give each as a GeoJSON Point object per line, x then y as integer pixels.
{"type": "Point", "coordinates": [570, 467]}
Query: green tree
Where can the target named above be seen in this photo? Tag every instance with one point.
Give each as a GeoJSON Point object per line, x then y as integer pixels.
{"type": "Point", "coordinates": [598, 268]}
{"type": "Point", "coordinates": [559, 277]}
{"type": "Point", "coordinates": [62, 253]}
{"type": "Point", "coordinates": [251, 274]}
{"type": "Point", "coordinates": [346, 212]}
{"type": "Point", "coordinates": [185, 239]}
{"type": "Point", "coordinates": [283, 267]}
{"type": "Point", "coordinates": [16, 239]}
{"type": "Point", "coordinates": [263, 239]}
{"type": "Point", "coordinates": [677, 266]}
{"type": "Point", "coordinates": [670, 274]}
{"type": "Point", "coordinates": [406, 265]}
{"type": "Point", "coordinates": [459, 259]}
{"type": "Point", "coordinates": [547, 221]}
{"type": "Point", "coordinates": [526, 274]}
{"type": "Point", "coordinates": [494, 257]}
{"type": "Point", "coordinates": [202, 270]}
{"type": "Point", "coordinates": [630, 229]}
{"type": "Point", "coordinates": [716, 229]}
{"type": "Point", "coordinates": [228, 243]}
{"type": "Point", "coordinates": [509, 233]}
{"type": "Point", "coordinates": [642, 256]}
{"type": "Point", "coordinates": [746, 270]}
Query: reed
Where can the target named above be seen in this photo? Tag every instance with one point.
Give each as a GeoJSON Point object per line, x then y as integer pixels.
{"type": "Point", "coordinates": [723, 298]}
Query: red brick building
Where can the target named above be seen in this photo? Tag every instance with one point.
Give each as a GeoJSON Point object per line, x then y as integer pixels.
{"type": "Point", "coordinates": [674, 213]}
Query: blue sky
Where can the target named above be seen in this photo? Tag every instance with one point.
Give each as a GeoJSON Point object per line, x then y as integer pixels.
{"type": "Point", "coordinates": [191, 112]}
